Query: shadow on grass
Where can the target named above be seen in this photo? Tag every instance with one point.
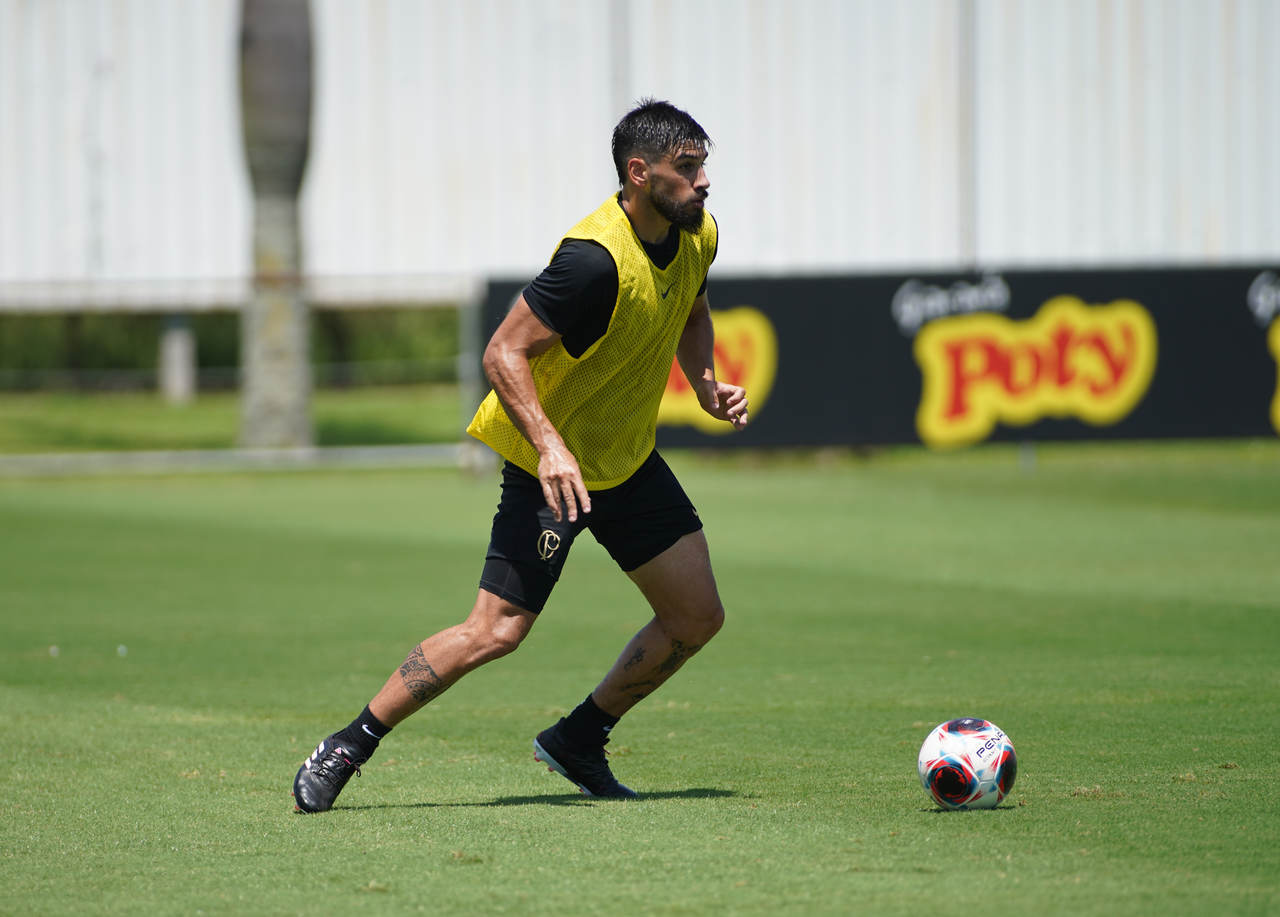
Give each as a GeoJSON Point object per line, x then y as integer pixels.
{"type": "Point", "coordinates": [554, 799]}
{"type": "Point", "coordinates": [939, 811]}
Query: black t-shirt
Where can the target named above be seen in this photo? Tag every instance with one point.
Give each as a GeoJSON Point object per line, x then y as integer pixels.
{"type": "Point", "coordinates": [575, 294]}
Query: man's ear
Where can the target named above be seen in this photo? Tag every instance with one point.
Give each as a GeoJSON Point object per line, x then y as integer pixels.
{"type": "Point", "coordinates": [638, 171]}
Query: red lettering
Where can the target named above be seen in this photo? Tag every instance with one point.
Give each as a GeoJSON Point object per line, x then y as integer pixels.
{"type": "Point", "coordinates": [1117, 362]}
{"type": "Point", "coordinates": [1061, 339]}
{"type": "Point", "coordinates": [963, 374]}
{"type": "Point", "coordinates": [1094, 363]}
{"type": "Point", "coordinates": [729, 368]}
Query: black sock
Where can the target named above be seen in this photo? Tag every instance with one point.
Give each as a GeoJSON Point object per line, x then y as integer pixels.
{"type": "Point", "coordinates": [588, 724]}
{"type": "Point", "coordinates": [364, 732]}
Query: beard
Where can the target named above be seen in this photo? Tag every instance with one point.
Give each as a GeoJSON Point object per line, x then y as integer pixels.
{"type": "Point", "coordinates": [687, 216]}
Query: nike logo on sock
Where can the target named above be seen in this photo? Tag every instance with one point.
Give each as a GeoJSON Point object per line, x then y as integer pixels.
{"type": "Point", "coordinates": [370, 732]}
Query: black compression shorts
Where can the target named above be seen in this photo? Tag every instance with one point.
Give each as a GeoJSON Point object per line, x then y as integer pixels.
{"type": "Point", "coordinates": [635, 521]}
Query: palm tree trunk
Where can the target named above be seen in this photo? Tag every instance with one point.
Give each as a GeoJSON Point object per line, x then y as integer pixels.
{"type": "Point", "coordinates": [275, 91]}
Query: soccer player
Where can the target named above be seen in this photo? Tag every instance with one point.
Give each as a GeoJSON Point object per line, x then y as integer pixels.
{"type": "Point", "coordinates": [578, 369]}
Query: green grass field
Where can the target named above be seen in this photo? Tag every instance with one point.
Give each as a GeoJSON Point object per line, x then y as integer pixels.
{"type": "Point", "coordinates": [1112, 607]}
{"type": "Point", "coordinates": [43, 422]}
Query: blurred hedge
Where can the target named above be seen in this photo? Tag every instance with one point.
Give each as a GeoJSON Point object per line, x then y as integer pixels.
{"type": "Point", "coordinates": [121, 350]}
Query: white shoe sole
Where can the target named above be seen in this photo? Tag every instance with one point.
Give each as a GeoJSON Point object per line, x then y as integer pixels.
{"type": "Point", "coordinates": [540, 755]}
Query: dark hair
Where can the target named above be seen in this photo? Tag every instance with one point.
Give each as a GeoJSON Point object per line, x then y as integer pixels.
{"type": "Point", "coordinates": [651, 130]}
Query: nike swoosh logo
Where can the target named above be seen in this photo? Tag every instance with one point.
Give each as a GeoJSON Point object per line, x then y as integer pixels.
{"type": "Point", "coordinates": [672, 284]}
{"type": "Point", "coordinates": [370, 731]}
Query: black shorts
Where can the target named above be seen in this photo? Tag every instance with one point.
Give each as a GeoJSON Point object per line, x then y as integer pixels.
{"type": "Point", "coordinates": [635, 521]}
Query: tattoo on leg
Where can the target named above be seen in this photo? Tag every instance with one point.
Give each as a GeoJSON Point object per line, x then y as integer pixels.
{"type": "Point", "coordinates": [636, 658]}
{"type": "Point", "coordinates": [639, 690]}
{"type": "Point", "coordinates": [420, 680]}
{"type": "Point", "coordinates": [679, 653]}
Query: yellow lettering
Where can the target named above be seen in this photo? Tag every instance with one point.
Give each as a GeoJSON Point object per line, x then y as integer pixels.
{"type": "Point", "coordinates": [1273, 341]}
{"type": "Point", "coordinates": [746, 354]}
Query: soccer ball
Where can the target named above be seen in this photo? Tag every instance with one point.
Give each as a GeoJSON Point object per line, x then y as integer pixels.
{"type": "Point", "coordinates": [967, 764]}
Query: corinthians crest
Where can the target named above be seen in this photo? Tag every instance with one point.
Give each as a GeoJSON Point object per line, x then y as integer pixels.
{"type": "Point", "coordinates": [548, 544]}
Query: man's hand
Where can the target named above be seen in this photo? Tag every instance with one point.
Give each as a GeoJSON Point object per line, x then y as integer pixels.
{"type": "Point", "coordinates": [724, 402]}
{"type": "Point", "coordinates": [561, 480]}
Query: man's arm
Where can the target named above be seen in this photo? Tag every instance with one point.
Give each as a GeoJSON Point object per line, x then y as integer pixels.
{"type": "Point", "coordinates": [696, 353]}
{"type": "Point", "coordinates": [520, 337]}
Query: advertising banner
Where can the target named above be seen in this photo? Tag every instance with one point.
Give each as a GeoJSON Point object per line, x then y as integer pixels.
{"type": "Point", "coordinates": [950, 360]}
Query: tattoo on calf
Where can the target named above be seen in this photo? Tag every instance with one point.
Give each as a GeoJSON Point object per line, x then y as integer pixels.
{"type": "Point", "coordinates": [639, 690]}
{"type": "Point", "coordinates": [679, 653]}
{"type": "Point", "coordinates": [420, 680]}
{"type": "Point", "coordinates": [636, 658]}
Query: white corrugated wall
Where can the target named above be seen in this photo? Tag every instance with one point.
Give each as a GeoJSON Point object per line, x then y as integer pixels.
{"type": "Point", "coordinates": [454, 138]}
{"type": "Point", "coordinates": [121, 172]}
{"type": "Point", "coordinates": [1141, 131]}
{"type": "Point", "coordinates": [458, 139]}
{"type": "Point", "coordinates": [836, 125]}
{"type": "Point", "coordinates": [467, 138]}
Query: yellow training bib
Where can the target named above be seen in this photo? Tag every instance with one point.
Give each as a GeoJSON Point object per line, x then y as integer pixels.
{"type": "Point", "coordinates": [605, 403]}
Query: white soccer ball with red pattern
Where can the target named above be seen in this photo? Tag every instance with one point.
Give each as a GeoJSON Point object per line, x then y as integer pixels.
{"type": "Point", "coordinates": [967, 764]}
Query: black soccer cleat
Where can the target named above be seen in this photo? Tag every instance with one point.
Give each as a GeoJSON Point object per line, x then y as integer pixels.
{"type": "Point", "coordinates": [323, 775]}
{"type": "Point", "coordinates": [584, 767]}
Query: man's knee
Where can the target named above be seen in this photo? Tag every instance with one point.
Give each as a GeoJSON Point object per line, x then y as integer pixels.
{"type": "Point", "coordinates": [505, 635]}
{"type": "Point", "coordinates": [696, 626]}
{"type": "Point", "coordinates": [495, 629]}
